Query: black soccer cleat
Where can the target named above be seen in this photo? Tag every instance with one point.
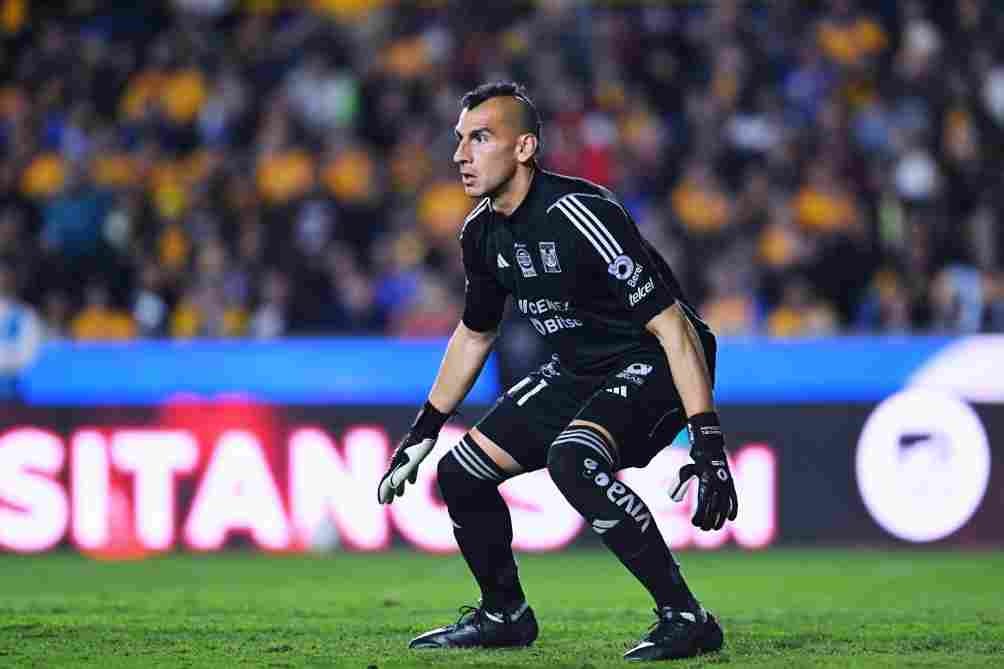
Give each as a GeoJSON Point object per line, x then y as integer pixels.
{"type": "Point", "coordinates": [678, 634]}
{"type": "Point", "coordinates": [478, 628]}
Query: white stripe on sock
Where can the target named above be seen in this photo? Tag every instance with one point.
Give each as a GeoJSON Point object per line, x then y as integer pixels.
{"type": "Point", "coordinates": [592, 437]}
{"type": "Point", "coordinates": [470, 470]}
{"type": "Point", "coordinates": [475, 459]}
{"type": "Point", "coordinates": [576, 440]}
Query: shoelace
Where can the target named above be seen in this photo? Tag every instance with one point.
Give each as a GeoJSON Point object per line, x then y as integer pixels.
{"type": "Point", "coordinates": [478, 615]}
{"type": "Point", "coordinates": [675, 621]}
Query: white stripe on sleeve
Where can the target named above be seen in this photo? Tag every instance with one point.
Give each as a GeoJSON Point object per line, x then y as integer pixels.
{"type": "Point", "coordinates": [602, 248]}
{"type": "Point", "coordinates": [602, 228]}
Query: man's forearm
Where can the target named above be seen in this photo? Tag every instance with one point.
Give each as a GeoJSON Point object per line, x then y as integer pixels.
{"type": "Point", "coordinates": [685, 353]}
{"type": "Point", "coordinates": [465, 356]}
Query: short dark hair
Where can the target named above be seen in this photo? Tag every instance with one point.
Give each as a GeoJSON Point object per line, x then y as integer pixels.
{"type": "Point", "coordinates": [529, 118]}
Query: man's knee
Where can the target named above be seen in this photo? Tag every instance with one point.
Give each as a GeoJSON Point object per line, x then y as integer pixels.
{"type": "Point", "coordinates": [559, 462]}
{"type": "Point", "coordinates": [464, 470]}
{"type": "Point", "coordinates": [583, 469]}
{"type": "Point", "coordinates": [450, 476]}
{"type": "Point", "coordinates": [577, 457]}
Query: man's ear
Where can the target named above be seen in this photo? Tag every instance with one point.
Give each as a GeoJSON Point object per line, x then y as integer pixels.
{"type": "Point", "coordinates": [526, 147]}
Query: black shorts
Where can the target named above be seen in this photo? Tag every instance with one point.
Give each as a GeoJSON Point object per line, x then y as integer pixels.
{"type": "Point", "coordinates": [637, 403]}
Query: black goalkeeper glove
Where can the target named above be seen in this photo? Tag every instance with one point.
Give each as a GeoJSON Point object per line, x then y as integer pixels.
{"type": "Point", "coordinates": [716, 492]}
{"type": "Point", "coordinates": [409, 454]}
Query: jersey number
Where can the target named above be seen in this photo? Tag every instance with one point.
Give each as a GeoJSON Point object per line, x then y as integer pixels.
{"type": "Point", "coordinates": [530, 393]}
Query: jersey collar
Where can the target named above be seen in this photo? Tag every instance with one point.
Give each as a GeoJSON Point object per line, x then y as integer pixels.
{"type": "Point", "coordinates": [525, 208]}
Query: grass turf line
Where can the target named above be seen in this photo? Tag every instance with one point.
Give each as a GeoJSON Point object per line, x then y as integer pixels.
{"type": "Point", "coordinates": [779, 608]}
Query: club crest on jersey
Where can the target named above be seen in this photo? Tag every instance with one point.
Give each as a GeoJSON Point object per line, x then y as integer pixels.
{"type": "Point", "coordinates": [621, 267]}
{"type": "Point", "coordinates": [549, 256]}
{"type": "Point", "coordinates": [524, 261]}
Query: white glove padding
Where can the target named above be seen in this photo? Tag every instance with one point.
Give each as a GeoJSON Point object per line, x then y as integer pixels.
{"type": "Point", "coordinates": [681, 481]}
{"type": "Point", "coordinates": [403, 467]}
{"type": "Point", "coordinates": [716, 493]}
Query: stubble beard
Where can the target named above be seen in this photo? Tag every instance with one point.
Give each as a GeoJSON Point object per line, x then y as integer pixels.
{"type": "Point", "coordinates": [500, 187]}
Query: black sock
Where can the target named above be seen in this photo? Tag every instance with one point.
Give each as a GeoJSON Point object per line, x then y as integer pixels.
{"type": "Point", "coordinates": [646, 555]}
{"type": "Point", "coordinates": [491, 561]}
{"type": "Point", "coordinates": [482, 525]}
{"type": "Point", "coordinates": [581, 463]}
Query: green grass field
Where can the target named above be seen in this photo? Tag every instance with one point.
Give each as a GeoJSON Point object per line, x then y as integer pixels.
{"type": "Point", "coordinates": [779, 608]}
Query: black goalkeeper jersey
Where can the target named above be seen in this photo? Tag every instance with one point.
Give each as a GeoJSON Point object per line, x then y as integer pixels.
{"type": "Point", "coordinates": [576, 267]}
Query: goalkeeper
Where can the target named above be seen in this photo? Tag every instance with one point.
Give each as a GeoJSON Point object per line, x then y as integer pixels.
{"type": "Point", "coordinates": [632, 366]}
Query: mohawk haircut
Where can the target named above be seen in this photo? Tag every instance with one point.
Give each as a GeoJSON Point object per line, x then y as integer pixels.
{"type": "Point", "coordinates": [529, 117]}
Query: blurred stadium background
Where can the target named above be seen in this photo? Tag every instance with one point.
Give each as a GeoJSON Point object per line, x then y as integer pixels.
{"type": "Point", "coordinates": [228, 262]}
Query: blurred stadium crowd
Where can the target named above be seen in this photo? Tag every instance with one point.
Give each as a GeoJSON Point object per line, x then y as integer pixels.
{"type": "Point", "coordinates": [256, 168]}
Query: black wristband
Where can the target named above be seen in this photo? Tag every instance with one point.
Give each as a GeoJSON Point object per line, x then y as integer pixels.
{"type": "Point", "coordinates": [429, 421]}
{"type": "Point", "coordinates": [705, 432]}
